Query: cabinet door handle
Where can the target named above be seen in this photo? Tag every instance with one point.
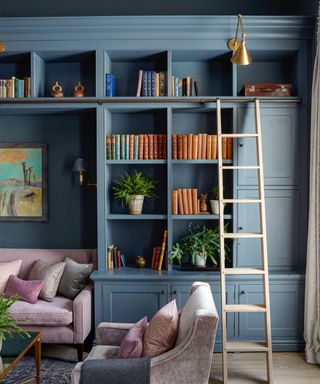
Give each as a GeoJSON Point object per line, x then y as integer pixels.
{"type": "Point", "coordinates": [240, 145]}
{"type": "Point", "coordinates": [240, 228]}
{"type": "Point", "coordinates": [163, 292]}
{"type": "Point", "coordinates": [242, 292]}
{"type": "Point", "coordinates": [174, 292]}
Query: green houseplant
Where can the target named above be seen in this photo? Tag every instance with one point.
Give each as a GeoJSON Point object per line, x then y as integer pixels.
{"type": "Point", "coordinates": [215, 201]}
{"type": "Point", "coordinates": [201, 243]}
{"type": "Point", "coordinates": [132, 189]}
{"type": "Point", "coordinates": [7, 322]}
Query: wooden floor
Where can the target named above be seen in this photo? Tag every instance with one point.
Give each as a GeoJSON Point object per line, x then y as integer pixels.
{"type": "Point", "coordinates": [247, 368]}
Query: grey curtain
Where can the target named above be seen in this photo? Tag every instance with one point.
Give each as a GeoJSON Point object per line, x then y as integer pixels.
{"type": "Point", "coordinates": [312, 293]}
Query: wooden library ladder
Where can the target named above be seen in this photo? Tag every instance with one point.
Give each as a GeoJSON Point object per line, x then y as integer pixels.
{"type": "Point", "coordinates": [244, 346]}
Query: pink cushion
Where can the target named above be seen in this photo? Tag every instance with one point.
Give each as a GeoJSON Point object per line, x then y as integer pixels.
{"type": "Point", "coordinates": [161, 333]}
{"type": "Point", "coordinates": [56, 312]}
{"type": "Point", "coordinates": [27, 290]}
{"type": "Point", "coordinates": [132, 344]}
{"type": "Point", "coordinates": [7, 269]}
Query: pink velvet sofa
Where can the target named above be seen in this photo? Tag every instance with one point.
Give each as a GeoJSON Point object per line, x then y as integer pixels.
{"type": "Point", "coordinates": [62, 321]}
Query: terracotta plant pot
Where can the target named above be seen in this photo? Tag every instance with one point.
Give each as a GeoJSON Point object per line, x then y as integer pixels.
{"type": "Point", "coordinates": [135, 205]}
{"type": "Point", "coordinates": [214, 206]}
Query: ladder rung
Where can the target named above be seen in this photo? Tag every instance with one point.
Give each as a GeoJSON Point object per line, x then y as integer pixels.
{"type": "Point", "coordinates": [239, 201]}
{"type": "Point", "coordinates": [242, 235]}
{"type": "Point", "coordinates": [239, 135]}
{"type": "Point", "coordinates": [247, 346]}
{"type": "Point", "coordinates": [248, 167]}
{"type": "Point", "coordinates": [244, 271]}
{"type": "Point", "coordinates": [245, 308]}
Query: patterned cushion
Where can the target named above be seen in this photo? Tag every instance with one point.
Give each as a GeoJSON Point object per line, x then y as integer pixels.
{"type": "Point", "coordinates": [7, 269]}
{"type": "Point", "coordinates": [161, 333]}
{"type": "Point", "coordinates": [50, 274]}
{"type": "Point", "coordinates": [132, 344]}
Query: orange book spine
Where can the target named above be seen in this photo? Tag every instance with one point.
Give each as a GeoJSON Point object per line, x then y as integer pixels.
{"type": "Point", "coordinates": [214, 147]}
{"type": "Point", "coordinates": [190, 135]}
{"type": "Point", "coordinates": [185, 202]}
{"type": "Point", "coordinates": [155, 146]}
{"type": "Point", "coordinates": [185, 147]}
{"type": "Point", "coordinates": [160, 154]}
{"type": "Point", "coordinates": [174, 202]}
{"type": "Point", "coordinates": [163, 248]}
{"type": "Point", "coordinates": [200, 146]}
{"type": "Point", "coordinates": [189, 192]}
{"type": "Point", "coordinates": [209, 146]}
{"type": "Point", "coordinates": [229, 148]}
{"type": "Point", "coordinates": [174, 147]}
{"type": "Point", "coordinates": [195, 201]}
{"type": "Point", "coordinates": [164, 146]}
{"type": "Point", "coordinates": [150, 143]}
{"type": "Point", "coordinates": [195, 139]}
{"type": "Point", "coordinates": [154, 251]}
{"type": "Point", "coordinates": [224, 147]}
{"type": "Point", "coordinates": [140, 147]}
{"type": "Point", "coordinates": [131, 147]}
{"type": "Point", "coordinates": [204, 146]}
{"type": "Point", "coordinates": [180, 202]}
{"type": "Point", "coordinates": [180, 147]}
{"type": "Point", "coordinates": [145, 147]}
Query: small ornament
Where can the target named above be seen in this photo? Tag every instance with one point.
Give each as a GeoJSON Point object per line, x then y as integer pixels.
{"type": "Point", "coordinates": [78, 90]}
{"type": "Point", "coordinates": [57, 90]}
{"type": "Point", "coordinates": [140, 262]}
{"type": "Point", "coordinates": [203, 203]}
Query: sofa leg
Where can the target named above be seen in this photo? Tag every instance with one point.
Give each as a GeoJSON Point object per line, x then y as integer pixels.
{"type": "Point", "coordinates": [80, 352]}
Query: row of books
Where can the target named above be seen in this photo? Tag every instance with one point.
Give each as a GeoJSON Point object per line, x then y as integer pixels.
{"type": "Point", "coordinates": [158, 253]}
{"type": "Point", "coordinates": [185, 202]}
{"type": "Point", "coordinates": [201, 146]}
{"type": "Point", "coordinates": [11, 88]}
{"type": "Point", "coordinates": [151, 83]}
{"type": "Point", "coordinates": [136, 147]}
{"type": "Point", "coordinates": [115, 258]}
{"type": "Point", "coordinates": [184, 87]}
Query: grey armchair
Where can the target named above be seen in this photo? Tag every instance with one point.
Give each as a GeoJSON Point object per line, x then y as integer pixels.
{"type": "Point", "coordinates": [189, 361]}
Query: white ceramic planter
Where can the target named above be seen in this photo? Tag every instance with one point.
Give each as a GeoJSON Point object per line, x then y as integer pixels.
{"type": "Point", "coordinates": [135, 204]}
{"type": "Point", "coordinates": [215, 206]}
{"type": "Point", "coordinates": [200, 260]}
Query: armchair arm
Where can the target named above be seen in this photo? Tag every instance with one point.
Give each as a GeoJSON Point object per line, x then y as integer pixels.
{"type": "Point", "coordinates": [82, 314]}
{"type": "Point", "coordinates": [111, 333]}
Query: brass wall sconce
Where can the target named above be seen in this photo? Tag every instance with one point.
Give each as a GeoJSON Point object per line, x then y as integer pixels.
{"type": "Point", "coordinates": [1, 47]}
{"type": "Point", "coordinates": [241, 54]}
{"type": "Point", "coordinates": [81, 166]}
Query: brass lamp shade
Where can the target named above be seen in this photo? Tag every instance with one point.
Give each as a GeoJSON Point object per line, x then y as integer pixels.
{"type": "Point", "coordinates": [242, 55]}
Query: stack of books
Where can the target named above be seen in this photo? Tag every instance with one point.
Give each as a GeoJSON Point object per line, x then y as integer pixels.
{"type": "Point", "coordinates": [185, 202]}
{"type": "Point", "coordinates": [115, 258]}
{"type": "Point", "coordinates": [158, 253]}
{"type": "Point", "coordinates": [15, 87]}
{"type": "Point", "coordinates": [184, 87]}
{"type": "Point", "coordinates": [200, 147]}
{"type": "Point", "coordinates": [151, 83]}
{"type": "Point", "coordinates": [136, 147]}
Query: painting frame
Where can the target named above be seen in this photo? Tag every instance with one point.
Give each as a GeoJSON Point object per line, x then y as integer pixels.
{"type": "Point", "coordinates": [44, 180]}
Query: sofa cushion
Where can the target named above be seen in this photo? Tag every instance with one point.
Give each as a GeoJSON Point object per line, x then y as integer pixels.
{"type": "Point", "coordinates": [132, 344]}
{"type": "Point", "coordinates": [7, 269]}
{"type": "Point", "coordinates": [26, 290]}
{"type": "Point", "coordinates": [161, 333]}
{"type": "Point", "coordinates": [50, 274]}
{"type": "Point", "coordinates": [57, 312]}
{"type": "Point", "coordinates": [74, 278]}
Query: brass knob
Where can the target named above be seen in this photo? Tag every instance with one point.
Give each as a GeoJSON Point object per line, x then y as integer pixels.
{"type": "Point", "coordinates": [163, 292]}
{"type": "Point", "coordinates": [174, 292]}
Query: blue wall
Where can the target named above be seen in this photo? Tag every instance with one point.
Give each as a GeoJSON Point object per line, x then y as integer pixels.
{"type": "Point", "coordinates": [17, 8]}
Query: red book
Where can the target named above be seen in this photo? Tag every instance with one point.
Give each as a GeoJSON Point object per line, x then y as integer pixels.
{"type": "Point", "coordinates": [164, 146]}
{"type": "Point", "coordinates": [145, 147]}
{"type": "Point", "coordinates": [154, 251]}
{"type": "Point", "coordinates": [155, 147]}
{"type": "Point", "coordinates": [174, 147]}
{"type": "Point", "coordinates": [150, 143]}
{"type": "Point", "coordinates": [119, 259]}
{"type": "Point", "coordinates": [157, 257]}
{"type": "Point", "coordinates": [160, 154]}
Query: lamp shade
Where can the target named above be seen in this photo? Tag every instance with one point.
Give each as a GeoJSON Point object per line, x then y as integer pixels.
{"type": "Point", "coordinates": [242, 55]}
{"type": "Point", "coordinates": [80, 165]}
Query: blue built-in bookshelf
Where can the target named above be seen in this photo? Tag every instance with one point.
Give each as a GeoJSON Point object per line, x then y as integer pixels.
{"type": "Point", "coordinates": [69, 50]}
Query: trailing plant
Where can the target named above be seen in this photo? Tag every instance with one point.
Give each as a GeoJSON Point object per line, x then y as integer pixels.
{"type": "Point", "coordinates": [136, 183]}
{"type": "Point", "coordinates": [7, 322]}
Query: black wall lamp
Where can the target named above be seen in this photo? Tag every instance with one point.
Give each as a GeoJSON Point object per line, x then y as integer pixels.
{"type": "Point", "coordinates": [81, 166]}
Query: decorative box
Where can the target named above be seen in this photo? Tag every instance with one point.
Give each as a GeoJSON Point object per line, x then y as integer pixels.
{"type": "Point", "coordinates": [267, 90]}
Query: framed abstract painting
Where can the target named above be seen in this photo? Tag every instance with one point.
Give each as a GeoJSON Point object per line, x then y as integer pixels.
{"type": "Point", "coordinates": [23, 182]}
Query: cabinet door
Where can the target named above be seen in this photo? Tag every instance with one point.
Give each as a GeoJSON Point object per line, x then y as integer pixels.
{"type": "Point", "coordinates": [283, 220]}
{"type": "Point", "coordinates": [130, 302]}
{"type": "Point", "coordinates": [286, 312]}
{"type": "Point", "coordinates": [181, 293]}
{"type": "Point", "coordinates": [280, 146]}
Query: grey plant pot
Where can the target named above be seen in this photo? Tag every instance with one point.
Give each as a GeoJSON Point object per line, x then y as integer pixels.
{"type": "Point", "coordinates": [135, 204]}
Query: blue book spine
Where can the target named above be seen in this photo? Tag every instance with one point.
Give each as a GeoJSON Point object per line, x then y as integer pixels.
{"type": "Point", "coordinates": [153, 83]}
{"type": "Point", "coordinates": [176, 86]}
{"type": "Point", "coordinates": [110, 85]}
{"type": "Point", "coordinates": [127, 147]}
{"type": "Point", "coordinates": [117, 147]}
{"type": "Point", "coordinates": [123, 260]}
{"type": "Point", "coordinates": [145, 83]}
{"type": "Point", "coordinates": [149, 79]}
{"type": "Point", "coordinates": [136, 147]}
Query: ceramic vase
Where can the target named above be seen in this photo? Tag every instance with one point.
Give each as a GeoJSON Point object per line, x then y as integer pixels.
{"type": "Point", "coordinates": [135, 204]}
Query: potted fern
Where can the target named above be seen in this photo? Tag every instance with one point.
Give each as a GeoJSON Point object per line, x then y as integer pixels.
{"type": "Point", "coordinates": [132, 189]}
{"type": "Point", "coordinates": [7, 322]}
{"type": "Point", "coordinates": [215, 202]}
